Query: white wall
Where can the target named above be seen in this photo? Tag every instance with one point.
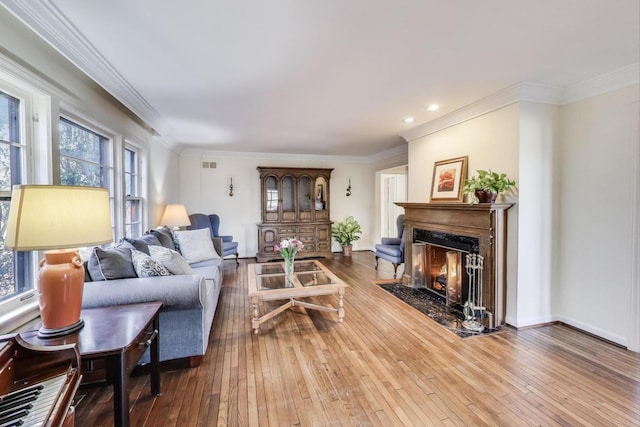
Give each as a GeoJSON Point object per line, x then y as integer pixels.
{"type": "Point", "coordinates": [593, 272]}
{"type": "Point", "coordinates": [491, 141]}
{"type": "Point", "coordinates": [205, 190]}
{"type": "Point", "coordinates": [537, 141]}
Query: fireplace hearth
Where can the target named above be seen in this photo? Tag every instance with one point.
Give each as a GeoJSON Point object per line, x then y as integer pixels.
{"type": "Point", "coordinates": [442, 235]}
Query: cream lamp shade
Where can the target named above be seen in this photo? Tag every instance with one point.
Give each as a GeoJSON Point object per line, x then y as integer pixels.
{"type": "Point", "coordinates": [175, 215]}
{"type": "Point", "coordinates": [58, 219]}
{"type": "Point", "coordinates": [53, 217]}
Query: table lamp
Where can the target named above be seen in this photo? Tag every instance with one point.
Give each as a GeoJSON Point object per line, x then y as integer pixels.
{"type": "Point", "coordinates": [175, 216]}
{"type": "Point", "coordinates": [58, 219]}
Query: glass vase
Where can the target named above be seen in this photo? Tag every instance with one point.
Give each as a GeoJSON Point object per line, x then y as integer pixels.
{"type": "Point", "coordinates": [288, 266]}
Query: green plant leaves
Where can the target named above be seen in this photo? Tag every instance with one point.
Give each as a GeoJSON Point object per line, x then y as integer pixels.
{"type": "Point", "coordinates": [347, 231]}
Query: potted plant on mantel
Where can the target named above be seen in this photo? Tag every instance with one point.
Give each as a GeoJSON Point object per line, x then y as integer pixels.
{"type": "Point", "coordinates": [486, 185]}
{"type": "Point", "coordinates": [346, 233]}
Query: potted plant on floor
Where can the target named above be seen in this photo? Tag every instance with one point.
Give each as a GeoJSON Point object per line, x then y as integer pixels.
{"type": "Point", "coordinates": [345, 233]}
{"type": "Point", "coordinates": [486, 185]}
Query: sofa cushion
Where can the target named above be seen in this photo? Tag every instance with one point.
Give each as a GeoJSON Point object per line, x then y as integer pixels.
{"type": "Point", "coordinates": [196, 245]}
{"type": "Point", "coordinates": [112, 263]}
{"type": "Point", "coordinates": [146, 266]}
{"type": "Point", "coordinates": [171, 260]}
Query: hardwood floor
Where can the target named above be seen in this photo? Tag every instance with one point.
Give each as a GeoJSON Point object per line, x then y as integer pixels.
{"type": "Point", "coordinates": [387, 364]}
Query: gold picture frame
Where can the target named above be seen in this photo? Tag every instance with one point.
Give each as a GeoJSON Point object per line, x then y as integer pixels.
{"type": "Point", "coordinates": [448, 179]}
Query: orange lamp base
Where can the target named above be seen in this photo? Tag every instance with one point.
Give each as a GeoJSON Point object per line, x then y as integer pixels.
{"type": "Point", "coordinates": [60, 287]}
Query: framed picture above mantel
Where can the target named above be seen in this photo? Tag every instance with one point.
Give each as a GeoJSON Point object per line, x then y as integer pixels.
{"type": "Point", "coordinates": [448, 179]}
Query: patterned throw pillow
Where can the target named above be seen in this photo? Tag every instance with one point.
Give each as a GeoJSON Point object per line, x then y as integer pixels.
{"type": "Point", "coordinates": [145, 266]}
{"type": "Point", "coordinates": [172, 260]}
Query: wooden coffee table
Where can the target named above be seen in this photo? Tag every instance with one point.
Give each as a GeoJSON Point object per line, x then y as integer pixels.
{"type": "Point", "coordinates": [268, 282]}
{"type": "Point", "coordinates": [119, 336]}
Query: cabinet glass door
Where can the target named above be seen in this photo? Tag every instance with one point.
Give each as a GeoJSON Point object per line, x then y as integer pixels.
{"type": "Point", "coordinates": [304, 193]}
{"type": "Point", "coordinates": [271, 187]}
{"type": "Point", "coordinates": [288, 208]}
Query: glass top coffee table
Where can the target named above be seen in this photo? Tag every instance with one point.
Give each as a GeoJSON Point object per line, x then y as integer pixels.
{"type": "Point", "coordinates": [269, 282]}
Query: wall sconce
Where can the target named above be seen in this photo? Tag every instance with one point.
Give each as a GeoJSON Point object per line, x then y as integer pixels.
{"type": "Point", "coordinates": [231, 187]}
{"type": "Point", "coordinates": [349, 188]}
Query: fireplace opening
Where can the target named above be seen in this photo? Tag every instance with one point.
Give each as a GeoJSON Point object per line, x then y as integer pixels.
{"type": "Point", "coordinates": [438, 266]}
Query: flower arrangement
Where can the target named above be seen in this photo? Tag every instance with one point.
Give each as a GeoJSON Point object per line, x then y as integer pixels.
{"type": "Point", "coordinates": [288, 249]}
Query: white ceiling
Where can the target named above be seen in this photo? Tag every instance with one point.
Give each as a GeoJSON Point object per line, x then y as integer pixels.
{"type": "Point", "coordinates": [326, 76]}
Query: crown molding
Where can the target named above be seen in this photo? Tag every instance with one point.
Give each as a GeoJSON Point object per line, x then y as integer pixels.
{"type": "Point", "coordinates": [46, 20]}
{"type": "Point", "coordinates": [392, 152]}
{"type": "Point", "coordinates": [605, 83]}
{"type": "Point", "coordinates": [530, 92]}
{"type": "Point", "coordinates": [208, 153]}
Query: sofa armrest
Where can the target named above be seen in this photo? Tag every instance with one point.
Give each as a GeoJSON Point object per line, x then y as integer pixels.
{"type": "Point", "coordinates": [217, 245]}
{"type": "Point", "coordinates": [391, 240]}
{"type": "Point", "coordinates": [226, 238]}
{"type": "Point", "coordinates": [175, 292]}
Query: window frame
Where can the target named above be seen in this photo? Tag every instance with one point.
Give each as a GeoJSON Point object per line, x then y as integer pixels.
{"type": "Point", "coordinates": [138, 181]}
{"type": "Point", "coordinates": [22, 306]}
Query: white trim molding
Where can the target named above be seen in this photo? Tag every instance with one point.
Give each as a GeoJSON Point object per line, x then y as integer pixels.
{"type": "Point", "coordinates": [634, 292]}
{"type": "Point", "coordinates": [527, 92]}
{"type": "Point", "coordinates": [605, 83]}
{"type": "Point", "coordinates": [530, 92]}
{"type": "Point", "coordinates": [46, 20]}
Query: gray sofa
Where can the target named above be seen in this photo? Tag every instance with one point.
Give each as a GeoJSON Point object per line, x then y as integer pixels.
{"type": "Point", "coordinates": [189, 305]}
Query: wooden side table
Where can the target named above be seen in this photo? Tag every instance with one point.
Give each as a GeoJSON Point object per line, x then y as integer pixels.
{"type": "Point", "coordinates": [119, 335]}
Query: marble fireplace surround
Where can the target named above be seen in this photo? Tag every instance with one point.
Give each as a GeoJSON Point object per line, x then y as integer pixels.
{"type": "Point", "coordinates": [485, 222]}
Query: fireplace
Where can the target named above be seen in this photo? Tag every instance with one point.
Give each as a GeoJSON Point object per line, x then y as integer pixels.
{"type": "Point", "coordinates": [442, 235]}
{"type": "Point", "coordinates": [438, 265]}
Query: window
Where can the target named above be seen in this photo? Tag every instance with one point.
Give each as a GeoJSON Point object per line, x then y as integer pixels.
{"type": "Point", "coordinates": [15, 272]}
{"type": "Point", "coordinates": [84, 156]}
{"type": "Point", "coordinates": [133, 199]}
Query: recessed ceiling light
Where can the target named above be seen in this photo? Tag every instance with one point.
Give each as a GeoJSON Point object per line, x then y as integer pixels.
{"type": "Point", "coordinates": [433, 107]}
{"type": "Point", "coordinates": [408, 120]}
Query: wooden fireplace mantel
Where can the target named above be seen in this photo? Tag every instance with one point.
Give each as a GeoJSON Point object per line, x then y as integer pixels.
{"type": "Point", "coordinates": [485, 221]}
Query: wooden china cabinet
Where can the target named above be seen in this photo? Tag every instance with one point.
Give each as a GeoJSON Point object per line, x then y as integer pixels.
{"type": "Point", "coordinates": [295, 204]}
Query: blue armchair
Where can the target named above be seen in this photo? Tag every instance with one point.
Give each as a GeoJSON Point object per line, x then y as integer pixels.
{"type": "Point", "coordinates": [392, 248]}
{"type": "Point", "coordinates": [212, 222]}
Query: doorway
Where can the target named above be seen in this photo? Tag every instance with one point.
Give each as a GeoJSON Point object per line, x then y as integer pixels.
{"type": "Point", "coordinates": [393, 188]}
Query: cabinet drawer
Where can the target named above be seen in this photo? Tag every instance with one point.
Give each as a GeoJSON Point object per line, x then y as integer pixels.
{"type": "Point", "coordinates": [286, 231]}
{"type": "Point", "coordinates": [307, 239]}
{"type": "Point", "coordinates": [306, 230]}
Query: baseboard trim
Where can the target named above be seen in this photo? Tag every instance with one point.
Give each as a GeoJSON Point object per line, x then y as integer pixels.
{"type": "Point", "coordinates": [575, 328]}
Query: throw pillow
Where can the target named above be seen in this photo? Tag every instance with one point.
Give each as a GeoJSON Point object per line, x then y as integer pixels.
{"type": "Point", "coordinates": [145, 266]}
{"type": "Point", "coordinates": [111, 263]}
{"type": "Point", "coordinates": [172, 260]}
{"type": "Point", "coordinates": [142, 244]}
{"type": "Point", "coordinates": [196, 245]}
{"type": "Point", "coordinates": [164, 236]}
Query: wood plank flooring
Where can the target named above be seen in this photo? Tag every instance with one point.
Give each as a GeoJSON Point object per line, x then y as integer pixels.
{"type": "Point", "coordinates": [386, 365]}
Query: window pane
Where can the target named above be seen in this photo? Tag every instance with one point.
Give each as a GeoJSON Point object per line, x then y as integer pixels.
{"type": "Point", "coordinates": [84, 156]}
{"type": "Point", "coordinates": [133, 218]}
{"type": "Point", "coordinates": [129, 161]}
{"type": "Point", "coordinates": [9, 118]}
{"type": "Point", "coordinates": [73, 172]}
{"type": "Point", "coordinates": [15, 275]}
{"type": "Point", "coordinates": [80, 143]}
{"type": "Point", "coordinates": [10, 152]}
{"type": "Point", "coordinates": [7, 279]}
